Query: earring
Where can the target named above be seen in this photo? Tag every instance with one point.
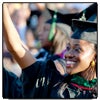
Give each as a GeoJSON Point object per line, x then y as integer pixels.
{"type": "Point", "coordinates": [92, 63]}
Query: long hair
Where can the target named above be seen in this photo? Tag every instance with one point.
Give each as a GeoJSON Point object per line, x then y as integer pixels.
{"type": "Point", "coordinates": [59, 42]}
{"type": "Point", "coordinates": [91, 71]}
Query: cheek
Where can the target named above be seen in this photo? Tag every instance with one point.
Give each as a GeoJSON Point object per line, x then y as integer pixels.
{"type": "Point", "coordinates": [86, 57]}
{"type": "Point", "coordinates": [45, 35]}
{"type": "Point", "coordinates": [82, 64]}
{"type": "Point", "coordinates": [84, 60]}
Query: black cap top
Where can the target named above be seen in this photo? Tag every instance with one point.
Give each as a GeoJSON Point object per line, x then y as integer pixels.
{"type": "Point", "coordinates": [86, 29]}
{"type": "Point", "coordinates": [63, 21]}
{"type": "Point", "coordinates": [89, 11]}
{"type": "Point", "coordinates": [62, 18]}
{"type": "Point", "coordinates": [67, 18]}
{"type": "Point", "coordinates": [88, 33]}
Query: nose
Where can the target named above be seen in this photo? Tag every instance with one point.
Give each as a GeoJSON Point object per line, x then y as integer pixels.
{"type": "Point", "coordinates": [69, 54]}
{"type": "Point", "coordinates": [40, 33]}
{"type": "Point", "coordinates": [39, 30]}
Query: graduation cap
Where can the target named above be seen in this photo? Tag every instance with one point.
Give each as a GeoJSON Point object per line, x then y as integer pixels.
{"type": "Point", "coordinates": [63, 21]}
{"type": "Point", "coordinates": [88, 33]}
{"type": "Point", "coordinates": [67, 18]}
{"type": "Point", "coordinates": [88, 12]}
{"type": "Point", "coordinates": [62, 18]}
{"type": "Point", "coordinates": [86, 29]}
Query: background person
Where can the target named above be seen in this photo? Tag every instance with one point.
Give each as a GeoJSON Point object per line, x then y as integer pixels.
{"type": "Point", "coordinates": [59, 33]}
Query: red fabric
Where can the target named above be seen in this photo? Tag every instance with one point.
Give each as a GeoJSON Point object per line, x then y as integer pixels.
{"type": "Point", "coordinates": [81, 87]}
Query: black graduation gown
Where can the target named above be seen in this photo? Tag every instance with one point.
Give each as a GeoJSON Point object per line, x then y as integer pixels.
{"type": "Point", "coordinates": [12, 85]}
{"type": "Point", "coordinates": [42, 80]}
{"type": "Point", "coordinates": [43, 55]}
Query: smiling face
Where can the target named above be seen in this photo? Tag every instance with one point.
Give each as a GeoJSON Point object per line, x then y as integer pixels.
{"type": "Point", "coordinates": [78, 56]}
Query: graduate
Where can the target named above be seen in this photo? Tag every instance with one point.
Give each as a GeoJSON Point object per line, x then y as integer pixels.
{"type": "Point", "coordinates": [48, 79]}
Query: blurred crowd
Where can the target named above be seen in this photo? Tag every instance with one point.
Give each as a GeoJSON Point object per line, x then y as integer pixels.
{"type": "Point", "coordinates": [29, 19]}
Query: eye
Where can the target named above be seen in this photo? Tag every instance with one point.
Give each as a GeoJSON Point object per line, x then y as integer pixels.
{"type": "Point", "coordinates": [78, 49]}
{"type": "Point", "coordinates": [46, 29]}
{"type": "Point", "coordinates": [67, 48]}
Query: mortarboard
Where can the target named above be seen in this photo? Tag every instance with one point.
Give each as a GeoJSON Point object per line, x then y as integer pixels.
{"type": "Point", "coordinates": [63, 21]}
{"type": "Point", "coordinates": [89, 11]}
{"type": "Point", "coordinates": [86, 29]}
{"type": "Point", "coordinates": [67, 18]}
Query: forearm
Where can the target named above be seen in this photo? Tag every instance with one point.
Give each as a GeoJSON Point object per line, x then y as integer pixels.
{"type": "Point", "coordinates": [10, 33]}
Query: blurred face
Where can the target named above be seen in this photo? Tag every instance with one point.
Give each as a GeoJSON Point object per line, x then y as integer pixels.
{"type": "Point", "coordinates": [78, 56]}
{"type": "Point", "coordinates": [43, 35]}
{"type": "Point", "coordinates": [29, 38]}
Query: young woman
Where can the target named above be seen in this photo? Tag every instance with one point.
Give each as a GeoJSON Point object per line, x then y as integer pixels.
{"type": "Point", "coordinates": [49, 79]}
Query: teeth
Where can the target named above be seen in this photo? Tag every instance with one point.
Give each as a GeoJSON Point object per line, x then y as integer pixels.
{"type": "Point", "coordinates": [70, 62]}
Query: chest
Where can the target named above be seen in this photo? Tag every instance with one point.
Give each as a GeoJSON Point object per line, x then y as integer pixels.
{"type": "Point", "coordinates": [69, 91]}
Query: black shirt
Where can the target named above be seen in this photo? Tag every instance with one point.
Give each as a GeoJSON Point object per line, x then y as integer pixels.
{"type": "Point", "coordinates": [42, 80]}
{"type": "Point", "coordinates": [12, 85]}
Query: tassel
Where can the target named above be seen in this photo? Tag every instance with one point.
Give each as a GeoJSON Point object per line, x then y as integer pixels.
{"type": "Point", "coordinates": [53, 26]}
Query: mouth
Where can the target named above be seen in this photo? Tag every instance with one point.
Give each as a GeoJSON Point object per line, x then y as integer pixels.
{"type": "Point", "coordinates": [67, 63]}
{"type": "Point", "coordinates": [70, 64]}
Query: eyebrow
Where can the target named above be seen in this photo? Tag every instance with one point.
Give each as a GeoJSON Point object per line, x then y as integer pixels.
{"type": "Point", "coordinates": [74, 44]}
{"type": "Point", "coordinates": [77, 45]}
